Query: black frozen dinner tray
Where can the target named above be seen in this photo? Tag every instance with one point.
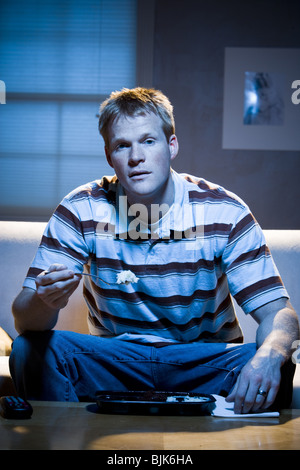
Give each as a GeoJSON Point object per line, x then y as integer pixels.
{"type": "Point", "coordinates": [155, 403]}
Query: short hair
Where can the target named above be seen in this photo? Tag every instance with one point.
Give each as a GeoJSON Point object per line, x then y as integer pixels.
{"type": "Point", "coordinates": [131, 102]}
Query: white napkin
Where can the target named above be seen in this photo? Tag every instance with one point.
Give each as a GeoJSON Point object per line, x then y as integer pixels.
{"type": "Point", "coordinates": [225, 409]}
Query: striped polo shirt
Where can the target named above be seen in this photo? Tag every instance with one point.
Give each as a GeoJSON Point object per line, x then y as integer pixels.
{"type": "Point", "coordinates": [206, 248]}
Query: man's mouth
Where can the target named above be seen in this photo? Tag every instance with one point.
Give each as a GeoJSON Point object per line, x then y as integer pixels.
{"type": "Point", "coordinates": [138, 174]}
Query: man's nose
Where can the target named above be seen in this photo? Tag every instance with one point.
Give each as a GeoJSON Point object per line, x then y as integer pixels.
{"type": "Point", "coordinates": [136, 155]}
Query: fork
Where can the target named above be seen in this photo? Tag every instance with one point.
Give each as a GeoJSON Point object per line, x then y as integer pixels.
{"type": "Point", "coordinates": [90, 275]}
{"type": "Point", "coordinates": [96, 277]}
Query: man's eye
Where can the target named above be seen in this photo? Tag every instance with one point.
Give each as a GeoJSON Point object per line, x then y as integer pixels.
{"type": "Point", "coordinates": [121, 146]}
{"type": "Point", "coordinates": [149, 141]}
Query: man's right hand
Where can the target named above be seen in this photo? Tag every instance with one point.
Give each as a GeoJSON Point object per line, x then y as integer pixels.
{"type": "Point", "coordinates": [55, 286]}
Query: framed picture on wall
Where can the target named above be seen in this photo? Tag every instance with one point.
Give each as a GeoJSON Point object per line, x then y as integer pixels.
{"type": "Point", "coordinates": [261, 105]}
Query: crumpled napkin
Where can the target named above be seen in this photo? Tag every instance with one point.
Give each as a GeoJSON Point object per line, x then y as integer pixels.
{"type": "Point", "coordinates": [225, 409]}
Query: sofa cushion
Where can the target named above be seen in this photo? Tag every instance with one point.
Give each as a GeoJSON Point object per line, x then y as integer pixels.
{"type": "Point", "coordinates": [5, 343]}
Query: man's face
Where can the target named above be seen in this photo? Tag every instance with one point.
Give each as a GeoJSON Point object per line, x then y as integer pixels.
{"type": "Point", "coordinates": [141, 157]}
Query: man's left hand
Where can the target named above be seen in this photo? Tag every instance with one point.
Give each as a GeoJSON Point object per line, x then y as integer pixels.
{"type": "Point", "coordinates": [257, 384]}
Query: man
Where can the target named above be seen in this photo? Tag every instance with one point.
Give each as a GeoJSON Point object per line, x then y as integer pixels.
{"type": "Point", "coordinates": [190, 244]}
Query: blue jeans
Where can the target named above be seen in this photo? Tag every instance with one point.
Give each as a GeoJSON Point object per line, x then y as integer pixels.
{"type": "Point", "coordinates": [67, 366]}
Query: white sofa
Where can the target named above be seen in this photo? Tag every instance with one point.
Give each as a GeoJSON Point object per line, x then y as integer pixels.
{"type": "Point", "coordinates": [18, 243]}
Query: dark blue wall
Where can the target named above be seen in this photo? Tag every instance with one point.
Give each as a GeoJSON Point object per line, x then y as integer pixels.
{"type": "Point", "coordinates": [190, 41]}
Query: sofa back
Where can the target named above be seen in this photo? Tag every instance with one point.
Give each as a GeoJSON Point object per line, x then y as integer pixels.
{"type": "Point", "coordinates": [285, 249]}
{"type": "Point", "coordinates": [18, 244]}
{"type": "Point", "coordinates": [19, 241]}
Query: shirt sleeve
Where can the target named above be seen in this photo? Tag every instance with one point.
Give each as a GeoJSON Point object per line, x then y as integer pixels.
{"type": "Point", "coordinates": [252, 275]}
{"type": "Point", "coordinates": [63, 242]}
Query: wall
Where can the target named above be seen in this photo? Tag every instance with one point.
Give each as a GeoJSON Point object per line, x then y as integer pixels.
{"type": "Point", "coordinates": [189, 44]}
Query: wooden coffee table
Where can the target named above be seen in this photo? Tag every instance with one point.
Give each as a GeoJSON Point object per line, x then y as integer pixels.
{"type": "Point", "coordinates": [56, 425]}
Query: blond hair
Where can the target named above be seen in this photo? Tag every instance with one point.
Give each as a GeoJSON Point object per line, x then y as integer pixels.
{"type": "Point", "coordinates": [130, 102]}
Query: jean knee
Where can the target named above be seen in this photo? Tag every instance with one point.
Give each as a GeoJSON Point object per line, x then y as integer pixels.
{"type": "Point", "coordinates": [21, 347]}
{"type": "Point", "coordinates": [27, 345]}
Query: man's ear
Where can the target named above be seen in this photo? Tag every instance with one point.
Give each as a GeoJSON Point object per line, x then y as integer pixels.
{"type": "Point", "coordinates": [108, 158]}
{"type": "Point", "coordinates": [173, 146]}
